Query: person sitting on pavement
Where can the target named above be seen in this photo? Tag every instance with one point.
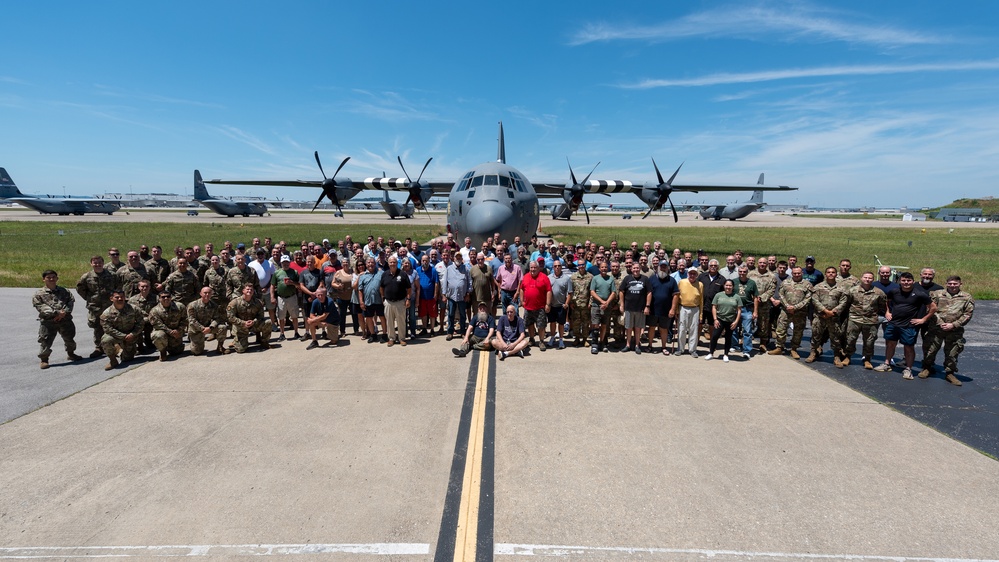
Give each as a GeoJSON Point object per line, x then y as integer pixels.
{"type": "Point", "coordinates": [479, 333]}
{"type": "Point", "coordinates": [510, 338]}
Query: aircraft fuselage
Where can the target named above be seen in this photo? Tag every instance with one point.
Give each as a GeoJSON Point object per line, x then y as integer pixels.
{"type": "Point", "coordinates": [492, 197]}
{"type": "Point", "coordinates": [57, 206]}
{"type": "Point", "coordinates": [730, 212]}
{"type": "Point", "coordinates": [231, 209]}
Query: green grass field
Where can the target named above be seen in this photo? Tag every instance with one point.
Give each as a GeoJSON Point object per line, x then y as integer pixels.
{"type": "Point", "coordinates": [27, 248]}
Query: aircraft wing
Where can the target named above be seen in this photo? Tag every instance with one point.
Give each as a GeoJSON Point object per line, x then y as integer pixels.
{"type": "Point", "coordinates": [625, 186]}
{"type": "Point", "coordinates": [375, 183]}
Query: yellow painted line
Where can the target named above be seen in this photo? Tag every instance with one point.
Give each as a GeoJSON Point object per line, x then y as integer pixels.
{"type": "Point", "coordinates": [468, 511]}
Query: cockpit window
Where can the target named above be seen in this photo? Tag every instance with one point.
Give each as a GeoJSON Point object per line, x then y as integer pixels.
{"type": "Point", "coordinates": [504, 181]}
{"type": "Point", "coordinates": [476, 181]}
{"type": "Point", "coordinates": [520, 186]}
{"type": "Point", "coordinates": [492, 180]}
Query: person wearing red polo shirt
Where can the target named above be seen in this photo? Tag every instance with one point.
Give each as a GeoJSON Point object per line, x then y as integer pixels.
{"type": "Point", "coordinates": [536, 295]}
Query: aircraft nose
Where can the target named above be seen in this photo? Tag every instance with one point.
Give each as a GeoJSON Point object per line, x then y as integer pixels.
{"type": "Point", "coordinates": [487, 217]}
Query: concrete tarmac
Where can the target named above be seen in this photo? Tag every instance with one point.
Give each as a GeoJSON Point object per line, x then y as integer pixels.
{"type": "Point", "coordinates": [349, 453]}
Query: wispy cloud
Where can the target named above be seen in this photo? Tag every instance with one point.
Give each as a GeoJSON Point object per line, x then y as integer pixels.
{"type": "Point", "coordinates": [390, 106]}
{"type": "Point", "coordinates": [821, 71]}
{"type": "Point", "coordinates": [109, 113]}
{"type": "Point", "coordinates": [546, 121]}
{"type": "Point", "coordinates": [112, 91]}
{"type": "Point", "coordinates": [791, 22]}
{"type": "Point", "coordinates": [239, 135]}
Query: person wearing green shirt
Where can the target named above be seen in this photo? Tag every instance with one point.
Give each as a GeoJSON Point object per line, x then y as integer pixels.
{"type": "Point", "coordinates": [726, 308]}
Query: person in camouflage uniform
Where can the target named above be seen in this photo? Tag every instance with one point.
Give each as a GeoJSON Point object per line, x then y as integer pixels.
{"type": "Point", "coordinates": [95, 289]}
{"type": "Point", "coordinates": [55, 316]}
{"type": "Point", "coordinates": [115, 263]}
{"type": "Point", "coordinates": [158, 269]}
{"type": "Point", "coordinates": [144, 302]}
{"type": "Point", "coordinates": [616, 316]}
{"type": "Point", "coordinates": [954, 310]}
{"type": "Point", "coordinates": [239, 276]}
{"type": "Point", "coordinates": [129, 275]}
{"type": "Point", "coordinates": [206, 318]}
{"type": "Point", "coordinates": [829, 300]}
{"type": "Point", "coordinates": [169, 320]}
{"type": "Point", "coordinates": [122, 324]}
{"type": "Point", "coordinates": [204, 262]}
{"type": "Point", "coordinates": [765, 286]}
{"type": "Point", "coordinates": [246, 315]}
{"type": "Point", "coordinates": [215, 278]}
{"type": "Point", "coordinates": [579, 305]}
{"type": "Point", "coordinates": [795, 294]}
{"type": "Point", "coordinates": [866, 303]}
{"type": "Point", "coordinates": [182, 284]}
{"type": "Point", "coordinates": [848, 281]}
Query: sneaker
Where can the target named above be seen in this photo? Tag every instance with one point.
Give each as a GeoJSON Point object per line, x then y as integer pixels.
{"type": "Point", "coordinates": [694, 354]}
{"type": "Point", "coordinates": [541, 345]}
{"type": "Point", "coordinates": [561, 344]}
{"type": "Point", "coordinates": [731, 350]}
{"type": "Point", "coordinates": [953, 379]}
{"type": "Point", "coordinates": [458, 352]}
{"type": "Point", "coordinates": [312, 345]}
{"type": "Point", "coordinates": [882, 368]}
{"type": "Point", "coordinates": [638, 350]}
{"type": "Point", "coordinates": [503, 355]}
{"type": "Point", "coordinates": [604, 348]}
{"type": "Point", "coordinates": [520, 354]}
{"type": "Point", "coordinates": [725, 358]}
{"type": "Point", "coordinates": [551, 341]}
{"type": "Point", "coordinates": [281, 338]}
{"type": "Point", "coordinates": [708, 357]}
{"type": "Point", "coordinates": [594, 349]}
{"type": "Point", "coordinates": [907, 374]}
{"type": "Point", "coordinates": [305, 337]}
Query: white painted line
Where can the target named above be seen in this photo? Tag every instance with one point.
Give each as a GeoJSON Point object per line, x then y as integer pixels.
{"type": "Point", "coordinates": [716, 555]}
{"type": "Point", "coordinates": [376, 549]}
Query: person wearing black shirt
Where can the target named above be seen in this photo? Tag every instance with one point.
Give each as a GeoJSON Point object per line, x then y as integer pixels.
{"type": "Point", "coordinates": [636, 303]}
{"type": "Point", "coordinates": [903, 321]}
{"type": "Point", "coordinates": [479, 333]}
{"type": "Point", "coordinates": [395, 288]}
{"type": "Point", "coordinates": [322, 316]}
{"type": "Point", "coordinates": [714, 283]}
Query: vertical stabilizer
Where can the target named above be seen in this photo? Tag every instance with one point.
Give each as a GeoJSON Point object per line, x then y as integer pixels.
{"type": "Point", "coordinates": [757, 195]}
{"type": "Point", "coordinates": [7, 187]}
{"type": "Point", "coordinates": [501, 149]}
{"type": "Point", "coordinates": [760, 181]}
{"type": "Point", "coordinates": [200, 191]}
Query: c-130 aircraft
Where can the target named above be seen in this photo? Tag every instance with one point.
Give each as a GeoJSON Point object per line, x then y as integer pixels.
{"type": "Point", "coordinates": [495, 196]}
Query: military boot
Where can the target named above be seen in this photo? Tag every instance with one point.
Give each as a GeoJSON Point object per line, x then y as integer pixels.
{"type": "Point", "coordinates": [868, 365]}
{"type": "Point", "coordinates": [794, 354]}
{"type": "Point", "coordinates": [221, 349]}
{"type": "Point", "coordinates": [776, 351]}
{"type": "Point", "coordinates": [845, 360]}
{"type": "Point", "coordinates": [926, 372]}
{"type": "Point", "coordinates": [163, 356]}
{"type": "Point", "coordinates": [112, 363]}
{"type": "Point", "coordinates": [837, 362]}
{"type": "Point", "coordinates": [44, 364]}
{"type": "Point", "coordinates": [811, 356]}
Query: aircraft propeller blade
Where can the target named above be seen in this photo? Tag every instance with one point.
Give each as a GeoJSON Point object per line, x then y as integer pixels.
{"type": "Point", "coordinates": [329, 185]}
{"type": "Point", "coordinates": [664, 189]}
{"type": "Point", "coordinates": [577, 189]}
{"type": "Point", "coordinates": [414, 187]}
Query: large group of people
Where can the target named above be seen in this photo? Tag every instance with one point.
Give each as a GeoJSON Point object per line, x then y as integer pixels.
{"type": "Point", "coordinates": [505, 297]}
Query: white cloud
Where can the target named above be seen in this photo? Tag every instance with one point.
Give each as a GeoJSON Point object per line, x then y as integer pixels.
{"type": "Point", "coordinates": [822, 71]}
{"type": "Point", "coordinates": [248, 139]}
{"type": "Point", "coordinates": [790, 22]}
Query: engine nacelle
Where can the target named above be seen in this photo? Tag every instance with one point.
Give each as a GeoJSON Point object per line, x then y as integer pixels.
{"type": "Point", "coordinates": [344, 194]}
{"type": "Point", "coordinates": [650, 195]}
{"type": "Point", "coordinates": [424, 195]}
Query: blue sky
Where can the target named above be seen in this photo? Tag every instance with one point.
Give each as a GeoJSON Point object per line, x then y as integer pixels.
{"type": "Point", "coordinates": [856, 103]}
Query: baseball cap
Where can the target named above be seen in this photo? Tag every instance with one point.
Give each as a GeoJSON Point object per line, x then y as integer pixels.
{"type": "Point", "coordinates": [810, 258]}
{"type": "Point", "coordinates": [261, 252]}
{"type": "Point", "coordinates": [326, 240]}
{"type": "Point", "coordinates": [664, 263]}
{"type": "Point", "coordinates": [285, 258]}
{"type": "Point", "coordinates": [241, 246]}
{"type": "Point", "coordinates": [482, 305]}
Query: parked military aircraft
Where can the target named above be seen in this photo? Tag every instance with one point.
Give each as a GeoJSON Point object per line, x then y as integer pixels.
{"type": "Point", "coordinates": [396, 210]}
{"type": "Point", "coordinates": [55, 205]}
{"type": "Point", "coordinates": [735, 210]}
{"type": "Point", "coordinates": [229, 207]}
{"type": "Point", "coordinates": [494, 196]}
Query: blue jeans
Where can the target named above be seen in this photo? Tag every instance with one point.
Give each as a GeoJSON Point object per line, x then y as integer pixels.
{"type": "Point", "coordinates": [507, 298]}
{"type": "Point", "coordinates": [414, 305]}
{"type": "Point", "coordinates": [747, 331]}
{"type": "Point", "coordinates": [459, 307]}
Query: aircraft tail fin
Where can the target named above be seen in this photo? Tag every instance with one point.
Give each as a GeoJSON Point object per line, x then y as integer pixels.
{"type": "Point", "coordinates": [760, 181]}
{"type": "Point", "coordinates": [501, 147]}
{"type": "Point", "coordinates": [7, 186]}
{"type": "Point", "coordinates": [757, 195]}
{"type": "Point", "coordinates": [200, 191]}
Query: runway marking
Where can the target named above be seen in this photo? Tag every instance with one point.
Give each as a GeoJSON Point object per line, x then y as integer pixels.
{"type": "Point", "coordinates": [716, 555]}
{"type": "Point", "coordinates": [466, 532]}
{"type": "Point", "coordinates": [213, 550]}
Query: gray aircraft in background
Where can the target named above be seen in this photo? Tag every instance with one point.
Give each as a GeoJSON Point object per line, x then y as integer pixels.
{"type": "Point", "coordinates": [229, 207]}
{"type": "Point", "coordinates": [735, 210]}
{"type": "Point", "coordinates": [495, 197]}
{"type": "Point", "coordinates": [52, 204]}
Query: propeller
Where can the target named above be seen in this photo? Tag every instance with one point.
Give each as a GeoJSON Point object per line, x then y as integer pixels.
{"type": "Point", "coordinates": [329, 185]}
{"type": "Point", "coordinates": [415, 197]}
{"type": "Point", "coordinates": [664, 189]}
{"type": "Point", "coordinates": [577, 189]}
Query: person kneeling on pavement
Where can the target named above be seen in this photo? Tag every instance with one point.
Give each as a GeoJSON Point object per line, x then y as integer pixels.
{"type": "Point", "coordinates": [479, 333]}
{"type": "Point", "coordinates": [323, 315]}
{"type": "Point", "coordinates": [122, 324]}
{"type": "Point", "coordinates": [246, 315]}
